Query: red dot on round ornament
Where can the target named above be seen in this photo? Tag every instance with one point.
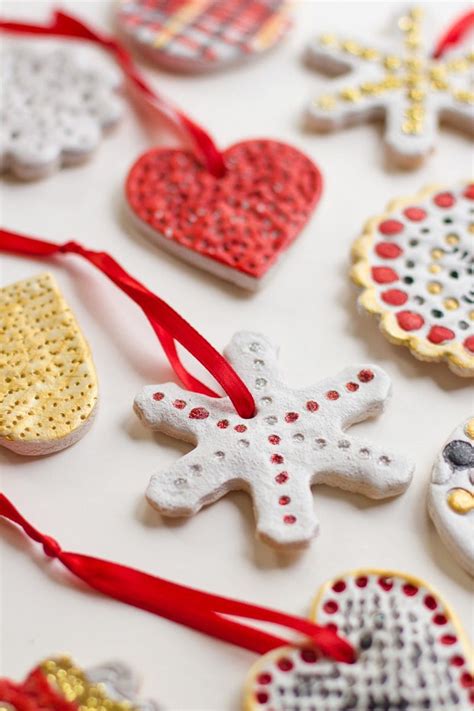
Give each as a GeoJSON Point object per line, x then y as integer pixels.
{"type": "Point", "coordinates": [384, 275]}
{"type": "Point", "coordinates": [291, 416]}
{"type": "Point", "coordinates": [409, 589]}
{"type": "Point", "coordinates": [390, 227]}
{"type": "Point", "coordinates": [223, 424]}
{"type": "Point", "coordinates": [312, 406]}
{"type": "Point", "coordinates": [274, 439]}
{"type": "Point", "coordinates": [285, 664]}
{"type": "Point", "coordinates": [289, 519]}
{"type": "Point", "coordinates": [179, 404]}
{"type": "Point", "coordinates": [469, 344]}
{"type": "Point", "coordinates": [352, 387]}
{"type": "Point", "coordinates": [264, 678]}
{"type": "Point", "coordinates": [440, 619]}
{"type": "Point", "coordinates": [440, 334]}
{"type": "Point", "coordinates": [284, 500]}
{"type": "Point", "coordinates": [339, 586]}
{"type": "Point", "coordinates": [198, 413]}
{"type": "Point", "coordinates": [365, 376]}
{"type": "Point", "coordinates": [330, 607]}
{"type": "Point", "coordinates": [158, 396]}
{"type": "Point", "coordinates": [409, 320]}
{"type": "Point", "coordinates": [415, 214]}
{"type": "Point", "coordinates": [394, 297]}
{"type": "Point", "coordinates": [276, 459]}
{"type": "Point", "coordinates": [430, 602]}
{"type": "Point", "coordinates": [240, 428]}
{"type": "Point", "coordinates": [362, 581]}
{"type": "Point", "coordinates": [444, 199]}
{"type": "Point", "coordinates": [385, 583]}
{"type": "Point", "coordinates": [309, 656]}
{"type": "Point", "coordinates": [388, 250]}
{"type": "Point", "coordinates": [457, 661]}
{"type": "Point", "coordinates": [332, 395]}
{"type": "Point", "coordinates": [469, 192]}
{"type": "Point", "coordinates": [262, 697]}
{"type": "Point", "coordinates": [282, 478]}
{"type": "Point", "coordinates": [467, 680]}
{"type": "Point", "coordinates": [448, 639]}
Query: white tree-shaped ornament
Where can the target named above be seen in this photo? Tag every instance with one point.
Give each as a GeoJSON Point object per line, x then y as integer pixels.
{"type": "Point", "coordinates": [396, 80]}
{"type": "Point", "coordinates": [297, 438]}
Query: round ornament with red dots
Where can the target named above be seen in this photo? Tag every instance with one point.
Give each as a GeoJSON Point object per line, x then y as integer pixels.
{"type": "Point", "coordinates": [415, 264]}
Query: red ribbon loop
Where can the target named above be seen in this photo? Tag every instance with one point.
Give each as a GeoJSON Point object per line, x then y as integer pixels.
{"type": "Point", "coordinates": [454, 34]}
{"type": "Point", "coordinates": [168, 325]}
{"type": "Point", "coordinates": [194, 608]}
{"type": "Point", "coordinates": [64, 25]}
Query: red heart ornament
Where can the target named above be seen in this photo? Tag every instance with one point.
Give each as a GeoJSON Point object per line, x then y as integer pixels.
{"type": "Point", "coordinates": [411, 653]}
{"type": "Point", "coordinates": [236, 226]}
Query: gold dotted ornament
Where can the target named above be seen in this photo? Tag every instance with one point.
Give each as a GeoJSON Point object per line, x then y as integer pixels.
{"type": "Point", "coordinates": [48, 383]}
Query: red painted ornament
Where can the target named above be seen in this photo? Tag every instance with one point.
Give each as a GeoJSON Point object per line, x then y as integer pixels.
{"type": "Point", "coordinates": [236, 226]}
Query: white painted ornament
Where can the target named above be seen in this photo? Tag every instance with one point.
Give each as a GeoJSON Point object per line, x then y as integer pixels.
{"type": "Point", "coordinates": [451, 495]}
{"type": "Point", "coordinates": [297, 438]}
{"type": "Point", "coordinates": [412, 653]}
{"type": "Point", "coordinates": [55, 106]}
{"type": "Point", "coordinates": [397, 80]}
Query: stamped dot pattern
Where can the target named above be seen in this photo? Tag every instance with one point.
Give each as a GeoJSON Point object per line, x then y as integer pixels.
{"type": "Point", "coordinates": [54, 108]}
{"type": "Point", "coordinates": [48, 384]}
{"type": "Point", "coordinates": [410, 653]}
{"type": "Point", "coordinates": [295, 439]}
{"type": "Point", "coordinates": [417, 265]}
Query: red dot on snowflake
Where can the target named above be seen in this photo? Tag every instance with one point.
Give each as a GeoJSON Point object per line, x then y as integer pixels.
{"type": "Point", "coordinates": [448, 639]}
{"type": "Point", "coordinates": [457, 660]}
{"type": "Point", "coordinates": [179, 404]}
{"type": "Point", "coordinates": [469, 344]}
{"type": "Point", "coordinates": [274, 439]}
{"type": "Point", "coordinates": [365, 376]}
{"type": "Point", "coordinates": [276, 459]}
{"type": "Point", "coordinates": [388, 250]}
{"type": "Point", "coordinates": [291, 416]}
{"type": "Point", "coordinates": [410, 589]}
{"type": "Point", "coordinates": [430, 602]}
{"type": "Point", "coordinates": [394, 297]}
{"type": "Point", "coordinates": [312, 406]}
{"type": "Point", "coordinates": [223, 424]}
{"type": "Point", "coordinates": [444, 199]}
{"type": "Point", "coordinates": [285, 664]}
{"type": "Point", "coordinates": [385, 583]}
{"type": "Point", "coordinates": [240, 428]}
{"type": "Point", "coordinates": [409, 320]}
{"type": "Point", "coordinates": [467, 680]}
{"type": "Point", "coordinates": [384, 275]}
{"type": "Point", "coordinates": [362, 581]}
{"type": "Point", "coordinates": [158, 396]}
{"type": "Point", "coordinates": [198, 413]}
{"type": "Point", "coordinates": [332, 395]}
{"type": "Point", "coordinates": [264, 678]}
{"type": "Point", "coordinates": [330, 607]}
{"type": "Point", "coordinates": [352, 387]}
{"type": "Point", "coordinates": [282, 478]}
{"type": "Point", "coordinates": [440, 334]}
{"type": "Point", "coordinates": [469, 192]}
{"type": "Point", "coordinates": [415, 214]}
{"type": "Point", "coordinates": [284, 500]}
{"type": "Point", "coordinates": [262, 697]}
{"type": "Point", "coordinates": [289, 519]}
{"type": "Point", "coordinates": [390, 227]}
{"type": "Point", "coordinates": [339, 586]}
{"type": "Point", "coordinates": [440, 619]}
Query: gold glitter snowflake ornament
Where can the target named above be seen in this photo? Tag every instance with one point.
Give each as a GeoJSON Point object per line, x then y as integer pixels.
{"type": "Point", "coordinates": [397, 81]}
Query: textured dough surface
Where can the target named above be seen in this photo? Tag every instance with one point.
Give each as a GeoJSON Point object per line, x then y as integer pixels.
{"type": "Point", "coordinates": [48, 383]}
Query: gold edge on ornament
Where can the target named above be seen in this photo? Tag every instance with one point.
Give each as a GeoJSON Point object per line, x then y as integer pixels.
{"type": "Point", "coordinates": [420, 348]}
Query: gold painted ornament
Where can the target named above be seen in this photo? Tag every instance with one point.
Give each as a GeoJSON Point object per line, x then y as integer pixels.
{"type": "Point", "coordinates": [48, 383]}
{"type": "Point", "coordinates": [411, 652]}
{"type": "Point", "coordinates": [415, 264]}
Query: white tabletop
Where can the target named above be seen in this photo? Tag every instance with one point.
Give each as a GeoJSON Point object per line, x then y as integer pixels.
{"type": "Point", "coordinates": [91, 496]}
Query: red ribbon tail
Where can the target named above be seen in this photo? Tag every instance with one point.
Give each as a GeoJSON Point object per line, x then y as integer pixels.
{"type": "Point", "coordinates": [193, 608]}
{"type": "Point", "coordinates": [454, 34]}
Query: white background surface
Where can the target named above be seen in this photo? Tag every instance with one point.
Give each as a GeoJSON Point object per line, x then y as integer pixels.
{"type": "Point", "coordinates": [90, 497]}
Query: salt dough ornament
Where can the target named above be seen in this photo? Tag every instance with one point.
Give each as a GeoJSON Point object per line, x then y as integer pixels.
{"type": "Point", "coordinates": [57, 684]}
{"type": "Point", "coordinates": [415, 263]}
{"type": "Point", "coordinates": [55, 106]}
{"type": "Point", "coordinates": [48, 383]}
{"type": "Point", "coordinates": [412, 652]}
{"type": "Point", "coordinates": [451, 495]}
{"type": "Point", "coordinates": [195, 36]}
{"type": "Point", "coordinates": [236, 226]}
{"type": "Point", "coordinates": [296, 439]}
{"type": "Point", "coordinates": [397, 81]}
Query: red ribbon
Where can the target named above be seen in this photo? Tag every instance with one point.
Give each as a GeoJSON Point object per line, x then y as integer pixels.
{"type": "Point", "coordinates": [196, 609]}
{"type": "Point", "coordinates": [454, 34]}
{"type": "Point", "coordinates": [166, 322]}
{"type": "Point", "coordinates": [64, 25]}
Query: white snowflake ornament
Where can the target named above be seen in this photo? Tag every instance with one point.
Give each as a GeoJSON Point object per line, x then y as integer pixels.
{"type": "Point", "coordinates": [297, 438]}
{"type": "Point", "coordinates": [54, 108]}
{"type": "Point", "coordinates": [398, 81]}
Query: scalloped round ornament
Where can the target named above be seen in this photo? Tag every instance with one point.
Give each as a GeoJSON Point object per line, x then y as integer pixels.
{"type": "Point", "coordinates": [200, 35]}
{"type": "Point", "coordinates": [415, 263]}
{"type": "Point", "coordinates": [412, 652]}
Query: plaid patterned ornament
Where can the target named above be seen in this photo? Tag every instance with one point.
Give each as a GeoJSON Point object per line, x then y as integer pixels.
{"type": "Point", "coordinates": [198, 35]}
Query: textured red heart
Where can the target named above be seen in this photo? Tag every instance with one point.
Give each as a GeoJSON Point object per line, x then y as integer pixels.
{"type": "Point", "coordinates": [235, 226]}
